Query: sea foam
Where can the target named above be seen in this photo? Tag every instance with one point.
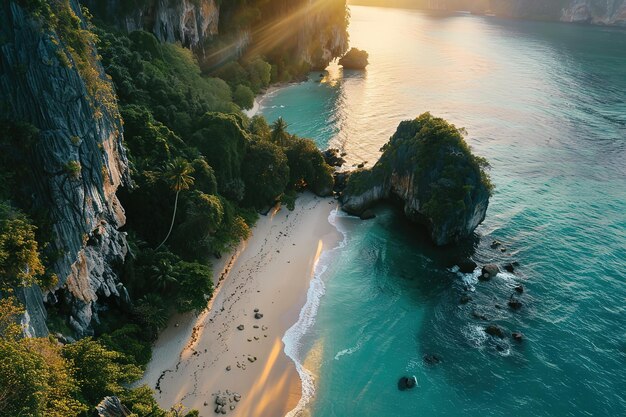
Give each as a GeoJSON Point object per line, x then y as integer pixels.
{"type": "Point", "coordinates": [294, 335]}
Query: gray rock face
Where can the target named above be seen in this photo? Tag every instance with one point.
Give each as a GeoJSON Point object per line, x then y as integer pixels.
{"type": "Point", "coordinates": [83, 209]}
{"type": "Point", "coordinates": [112, 407]}
{"type": "Point", "coordinates": [186, 21]}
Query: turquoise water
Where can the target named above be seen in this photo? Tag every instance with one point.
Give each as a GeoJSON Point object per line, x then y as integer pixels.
{"type": "Point", "coordinates": [546, 104]}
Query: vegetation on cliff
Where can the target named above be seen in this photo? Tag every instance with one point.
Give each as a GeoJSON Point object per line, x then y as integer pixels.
{"type": "Point", "coordinates": [429, 166]}
{"type": "Point", "coordinates": [177, 219]}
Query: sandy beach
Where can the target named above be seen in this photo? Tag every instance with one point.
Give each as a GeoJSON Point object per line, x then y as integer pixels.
{"type": "Point", "coordinates": [198, 356]}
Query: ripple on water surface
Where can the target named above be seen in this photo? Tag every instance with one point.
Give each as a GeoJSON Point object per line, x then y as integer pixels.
{"type": "Point", "coordinates": [546, 104]}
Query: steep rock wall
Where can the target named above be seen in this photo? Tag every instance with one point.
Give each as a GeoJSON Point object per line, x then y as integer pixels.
{"type": "Point", "coordinates": [604, 12]}
{"type": "Point", "coordinates": [186, 21]}
{"type": "Point", "coordinates": [85, 214]}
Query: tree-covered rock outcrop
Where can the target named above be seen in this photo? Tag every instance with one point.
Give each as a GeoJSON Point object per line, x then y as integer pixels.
{"type": "Point", "coordinates": [429, 168]}
{"type": "Point", "coordinates": [354, 59]}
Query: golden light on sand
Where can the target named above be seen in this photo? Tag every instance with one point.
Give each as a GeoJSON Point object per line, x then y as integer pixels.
{"type": "Point", "coordinates": [263, 396]}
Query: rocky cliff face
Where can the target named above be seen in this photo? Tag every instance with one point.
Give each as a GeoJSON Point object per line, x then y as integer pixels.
{"type": "Point", "coordinates": [605, 12]}
{"type": "Point", "coordinates": [608, 12]}
{"type": "Point", "coordinates": [428, 168]}
{"type": "Point", "coordinates": [322, 35]}
{"type": "Point", "coordinates": [77, 164]}
{"type": "Point", "coordinates": [189, 22]}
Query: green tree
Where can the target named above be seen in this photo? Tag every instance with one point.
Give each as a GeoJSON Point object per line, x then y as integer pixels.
{"type": "Point", "coordinates": [307, 167]}
{"type": "Point", "coordinates": [195, 286]}
{"type": "Point", "coordinates": [178, 175]}
{"type": "Point", "coordinates": [265, 173]}
{"type": "Point", "coordinates": [259, 128]}
{"type": "Point", "coordinates": [20, 263]}
{"type": "Point", "coordinates": [279, 132]}
{"type": "Point", "coordinates": [163, 276]}
{"type": "Point", "coordinates": [35, 380]}
{"type": "Point", "coordinates": [98, 370]}
{"type": "Point", "coordinates": [243, 96]}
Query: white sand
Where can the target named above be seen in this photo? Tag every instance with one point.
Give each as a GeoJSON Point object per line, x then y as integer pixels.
{"type": "Point", "coordinates": [271, 272]}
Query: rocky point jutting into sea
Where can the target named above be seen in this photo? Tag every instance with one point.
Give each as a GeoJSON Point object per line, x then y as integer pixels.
{"type": "Point", "coordinates": [430, 170]}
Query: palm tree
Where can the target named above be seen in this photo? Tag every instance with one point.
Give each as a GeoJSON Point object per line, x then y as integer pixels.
{"type": "Point", "coordinates": [163, 275]}
{"type": "Point", "coordinates": [178, 175]}
{"type": "Point", "coordinates": [279, 132]}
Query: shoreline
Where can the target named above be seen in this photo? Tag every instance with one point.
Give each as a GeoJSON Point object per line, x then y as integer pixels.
{"type": "Point", "coordinates": [258, 100]}
{"type": "Point", "coordinates": [195, 358]}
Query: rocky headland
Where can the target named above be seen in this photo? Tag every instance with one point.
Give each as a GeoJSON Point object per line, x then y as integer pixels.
{"type": "Point", "coordinates": [354, 59]}
{"type": "Point", "coordinates": [431, 171]}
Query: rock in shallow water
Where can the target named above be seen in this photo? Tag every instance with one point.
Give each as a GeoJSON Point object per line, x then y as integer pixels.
{"type": "Point", "coordinates": [466, 266]}
{"type": "Point", "coordinates": [489, 271]}
{"type": "Point", "coordinates": [428, 167]}
{"type": "Point", "coordinates": [496, 331]}
{"type": "Point", "coordinates": [406, 383]}
{"type": "Point", "coordinates": [432, 359]}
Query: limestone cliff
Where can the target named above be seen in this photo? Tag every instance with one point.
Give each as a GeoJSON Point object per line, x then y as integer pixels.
{"type": "Point", "coordinates": [604, 12]}
{"type": "Point", "coordinates": [76, 165]}
{"type": "Point", "coordinates": [309, 31]}
{"type": "Point", "coordinates": [189, 22]}
{"type": "Point", "coordinates": [427, 166]}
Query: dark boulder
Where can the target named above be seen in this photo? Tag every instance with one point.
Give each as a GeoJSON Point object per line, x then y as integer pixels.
{"type": "Point", "coordinates": [495, 331]}
{"type": "Point", "coordinates": [341, 180]}
{"type": "Point", "coordinates": [354, 59]}
{"type": "Point", "coordinates": [517, 336]}
{"type": "Point", "coordinates": [478, 315]}
{"type": "Point", "coordinates": [514, 303]}
{"type": "Point", "coordinates": [406, 383]}
{"type": "Point", "coordinates": [465, 299]}
{"type": "Point", "coordinates": [509, 267]}
{"type": "Point", "coordinates": [495, 244]}
{"type": "Point", "coordinates": [466, 266]}
{"type": "Point", "coordinates": [519, 289]}
{"type": "Point", "coordinates": [489, 271]}
{"type": "Point", "coordinates": [332, 157]}
{"type": "Point", "coordinates": [258, 316]}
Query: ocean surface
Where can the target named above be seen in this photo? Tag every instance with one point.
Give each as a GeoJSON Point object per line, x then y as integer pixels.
{"type": "Point", "coordinates": [546, 104]}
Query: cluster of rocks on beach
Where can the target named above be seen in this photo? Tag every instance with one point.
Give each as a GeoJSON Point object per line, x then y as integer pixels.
{"type": "Point", "coordinates": [225, 402]}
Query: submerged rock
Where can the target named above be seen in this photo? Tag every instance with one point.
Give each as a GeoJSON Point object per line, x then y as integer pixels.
{"type": "Point", "coordinates": [432, 359]}
{"type": "Point", "coordinates": [367, 215]}
{"type": "Point", "coordinates": [496, 331]}
{"type": "Point", "coordinates": [406, 382]}
{"type": "Point", "coordinates": [465, 299]}
{"type": "Point", "coordinates": [517, 336]}
{"type": "Point", "coordinates": [514, 303]}
{"type": "Point", "coordinates": [428, 167]}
